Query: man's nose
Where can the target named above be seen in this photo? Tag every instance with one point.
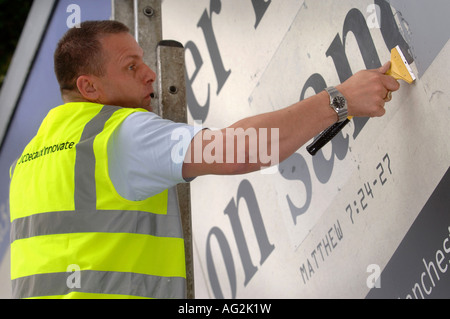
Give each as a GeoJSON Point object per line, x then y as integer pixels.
{"type": "Point", "coordinates": [149, 75]}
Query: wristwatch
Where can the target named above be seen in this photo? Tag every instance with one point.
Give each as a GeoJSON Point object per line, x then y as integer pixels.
{"type": "Point", "coordinates": [338, 103]}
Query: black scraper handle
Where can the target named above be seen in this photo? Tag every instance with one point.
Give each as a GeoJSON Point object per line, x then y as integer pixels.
{"type": "Point", "coordinates": [325, 137]}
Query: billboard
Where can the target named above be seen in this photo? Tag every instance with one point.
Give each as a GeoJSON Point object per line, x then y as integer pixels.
{"type": "Point", "coordinates": [324, 226]}
{"type": "Point", "coordinates": [368, 216]}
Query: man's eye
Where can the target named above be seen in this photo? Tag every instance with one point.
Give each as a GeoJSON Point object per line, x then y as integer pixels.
{"type": "Point", "coordinates": [132, 67]}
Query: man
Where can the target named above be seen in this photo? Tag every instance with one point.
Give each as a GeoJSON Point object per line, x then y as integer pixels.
{"type": "Point", "coordinates": [88, 195]}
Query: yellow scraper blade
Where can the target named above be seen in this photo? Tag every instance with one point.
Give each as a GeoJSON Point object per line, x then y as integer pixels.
{"type": "Point", "coordinates": [400, 68]}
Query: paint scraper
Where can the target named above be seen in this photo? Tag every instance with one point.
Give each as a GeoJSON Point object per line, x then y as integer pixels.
{"type": "Point", "coordinates": [400, 68]}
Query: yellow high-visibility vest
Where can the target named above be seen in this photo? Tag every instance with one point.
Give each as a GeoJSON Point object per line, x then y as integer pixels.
{"type": "Point", "coordinates": [72, 234]}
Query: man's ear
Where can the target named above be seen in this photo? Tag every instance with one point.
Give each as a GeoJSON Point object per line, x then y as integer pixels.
{"type": "Point", "coordinates": [88, 87]}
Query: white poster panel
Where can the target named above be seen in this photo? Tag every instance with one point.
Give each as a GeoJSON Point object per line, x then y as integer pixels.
{"type": "Point", "coordinates": [322, 226]}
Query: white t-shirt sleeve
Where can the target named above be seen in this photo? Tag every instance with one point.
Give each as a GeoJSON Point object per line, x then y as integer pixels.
{"type": "Point", "coordinates": [146, 153]}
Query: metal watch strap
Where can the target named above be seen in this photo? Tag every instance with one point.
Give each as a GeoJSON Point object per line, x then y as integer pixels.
{"type": "Point", "coordinates": [342, 113]}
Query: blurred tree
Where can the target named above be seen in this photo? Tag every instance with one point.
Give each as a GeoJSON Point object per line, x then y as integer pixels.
{"type": "Point", "coordinates": [13, 14]}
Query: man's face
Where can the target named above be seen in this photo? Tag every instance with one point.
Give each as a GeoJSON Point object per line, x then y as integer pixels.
{"type": "Point", "coordinates": [128, 81]}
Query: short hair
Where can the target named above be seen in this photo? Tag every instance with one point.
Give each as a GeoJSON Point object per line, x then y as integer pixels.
{"type": "Point", "coordinates": [80, 52]}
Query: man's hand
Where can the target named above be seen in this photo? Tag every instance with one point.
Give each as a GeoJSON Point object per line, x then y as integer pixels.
{"type": "Point", "coordinates": [368, 91]}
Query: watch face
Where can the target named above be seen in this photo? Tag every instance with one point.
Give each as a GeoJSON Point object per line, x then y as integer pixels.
{"type": "Point", "coordinates": [339, 102]}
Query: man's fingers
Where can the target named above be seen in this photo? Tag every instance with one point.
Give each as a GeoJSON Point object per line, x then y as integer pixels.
{"type": "Point", "coordinates": [389, 82]}
{"type": "Point", "coordinates": [385, 67]}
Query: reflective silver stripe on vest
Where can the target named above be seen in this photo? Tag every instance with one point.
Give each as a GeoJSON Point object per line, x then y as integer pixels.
{"type": "Point", "coordinates": [131, 222]}
{"type": "Point", "coordinates": [86, 218]}
{"type": "Point", "coordinates": [85, 193]}
{"type": "Point", "coordinates": [99, 282]}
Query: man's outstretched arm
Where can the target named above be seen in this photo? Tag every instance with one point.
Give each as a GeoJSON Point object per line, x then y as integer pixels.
{"type": "Point", "coordinates": [295, 125]}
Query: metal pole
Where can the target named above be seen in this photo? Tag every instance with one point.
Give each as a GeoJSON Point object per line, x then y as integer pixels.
{"type": "Point", "coordinates": [166, 58]}
{"type": "Point", "coordinates": [172, 98]}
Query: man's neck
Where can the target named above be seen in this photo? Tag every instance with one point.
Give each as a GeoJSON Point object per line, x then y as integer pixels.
{"type": "Point", "coordinates": [71, 97]}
